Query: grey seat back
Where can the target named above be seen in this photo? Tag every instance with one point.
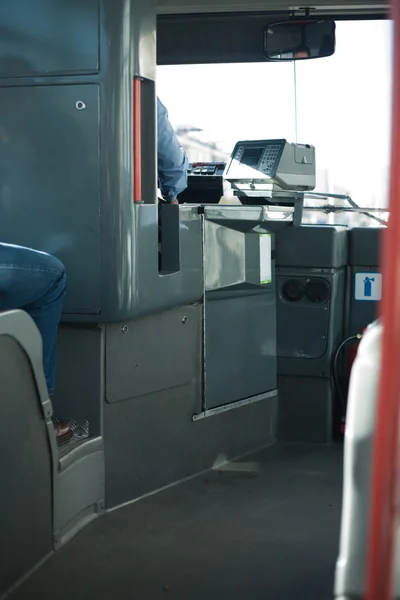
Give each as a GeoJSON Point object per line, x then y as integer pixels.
{"type": "Point", "coordinates": [25, 456]}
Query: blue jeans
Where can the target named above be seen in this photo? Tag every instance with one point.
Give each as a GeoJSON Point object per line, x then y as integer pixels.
{"type": "Point", "coordinates": [36, 283]}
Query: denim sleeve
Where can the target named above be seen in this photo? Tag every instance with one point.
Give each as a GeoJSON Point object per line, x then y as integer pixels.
{"type": "Point", "coordinates": [172, 159]}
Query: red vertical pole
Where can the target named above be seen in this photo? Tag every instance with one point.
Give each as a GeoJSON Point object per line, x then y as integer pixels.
{"type": "Point", "coordinates": [382, 518]}
{"type": "Point", "coordinates": [137, 140]}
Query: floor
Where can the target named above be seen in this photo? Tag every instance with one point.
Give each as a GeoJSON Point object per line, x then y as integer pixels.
{"type": "Point", "coordinates": [265, 527]}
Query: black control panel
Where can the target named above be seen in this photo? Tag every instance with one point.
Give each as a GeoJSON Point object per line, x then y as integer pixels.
{"type": "Point", "coordinates": [206, 169]}
{"type": "Point", "coordinates": [205, 183]}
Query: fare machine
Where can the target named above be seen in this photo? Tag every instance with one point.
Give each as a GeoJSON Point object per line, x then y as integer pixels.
{"type": "Point", "coordinates": [239, 319]}
{"type": "Point", "coordinates": [273, 173]}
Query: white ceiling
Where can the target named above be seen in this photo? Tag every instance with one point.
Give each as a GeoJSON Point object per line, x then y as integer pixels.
{"type": "Point", "coordinates": [333, 7]}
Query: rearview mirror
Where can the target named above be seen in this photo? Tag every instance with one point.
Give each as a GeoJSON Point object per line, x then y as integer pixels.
{"type": "Point", "coordinates": [299, 40]}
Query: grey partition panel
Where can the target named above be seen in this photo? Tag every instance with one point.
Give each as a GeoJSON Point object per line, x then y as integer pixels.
{"type": "Point", "coordinates": [155, 353]}
{"type": "Point", "coordinates": [240, 306]}
{"type": "Point", "coordinates": [63, 37]}
{"type": "Point", "coordinates": [240, 351]}
{"type": "Point", "coordinates": [49, 197]}
{"type": "Point", "coordinates": [26, 464]}
{"type": "Point", "coordinates": [364, 262]}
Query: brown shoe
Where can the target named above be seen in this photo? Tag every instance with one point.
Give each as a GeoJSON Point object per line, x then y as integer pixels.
{"type": "Point", "coordinates": [63, 432]}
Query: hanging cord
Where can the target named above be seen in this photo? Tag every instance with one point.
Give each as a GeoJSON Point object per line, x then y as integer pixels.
{"type": "Point", "coordinates": [295, 101]}
{"type": "Point", "coordinates": [335, 370]}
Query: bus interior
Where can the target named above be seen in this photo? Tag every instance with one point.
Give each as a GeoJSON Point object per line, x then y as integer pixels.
{"type": "Point", "coordinates": [205, 348]}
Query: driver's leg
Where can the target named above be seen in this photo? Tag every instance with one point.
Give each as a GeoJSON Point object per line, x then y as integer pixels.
{"type": "Point", "coordinates": [36, 283]}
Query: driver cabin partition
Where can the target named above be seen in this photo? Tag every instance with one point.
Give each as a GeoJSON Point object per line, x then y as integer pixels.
{"type": "Point", "coordinates": [78, 180]}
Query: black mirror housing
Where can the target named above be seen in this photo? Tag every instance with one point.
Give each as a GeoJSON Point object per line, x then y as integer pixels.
{"type": "Point", "coordinates": [299, 39]}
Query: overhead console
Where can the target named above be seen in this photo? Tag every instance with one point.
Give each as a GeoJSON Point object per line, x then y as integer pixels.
{"type": "Point", "coordinates": [273, 173]}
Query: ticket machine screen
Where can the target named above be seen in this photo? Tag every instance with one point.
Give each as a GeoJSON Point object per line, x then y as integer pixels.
{"type": "Point", "coordinates": [251, 156]}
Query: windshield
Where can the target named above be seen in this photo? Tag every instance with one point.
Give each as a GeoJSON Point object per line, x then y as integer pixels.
{"type": "Point", "coordinates": [340, 104]}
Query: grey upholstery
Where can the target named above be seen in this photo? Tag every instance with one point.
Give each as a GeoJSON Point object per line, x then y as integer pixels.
{"type": "Point", "coordinates": [25, 455]}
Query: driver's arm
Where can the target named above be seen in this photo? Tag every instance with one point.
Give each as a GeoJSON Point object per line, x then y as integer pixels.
{"type": "Point", "coordinates": [172, 159]}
